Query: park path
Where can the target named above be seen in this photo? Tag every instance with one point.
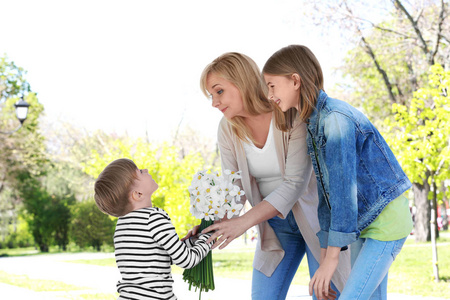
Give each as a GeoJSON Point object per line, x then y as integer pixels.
{"type": "Point", "coordinates": [98, 279]}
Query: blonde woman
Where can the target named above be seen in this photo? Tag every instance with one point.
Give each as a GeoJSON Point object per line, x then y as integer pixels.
{"type": "Point", "coordinates": [277, 177]}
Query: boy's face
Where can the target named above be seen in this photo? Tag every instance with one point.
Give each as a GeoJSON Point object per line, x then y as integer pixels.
{"type": "Point", "coordinates": [145, 184]}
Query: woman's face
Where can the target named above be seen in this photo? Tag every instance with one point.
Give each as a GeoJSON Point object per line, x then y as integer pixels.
{"type": "Point", "coordinates": [225, 96]}
{"type": "Point", "coordinates": [283, 90]}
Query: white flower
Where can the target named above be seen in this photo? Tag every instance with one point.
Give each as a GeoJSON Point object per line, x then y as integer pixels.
{"type": "Point", "coordinates": [232, 175]}
{"type": "Point", "coordinates": [234, 209]}
{"type": "Point", "coordinates": [213, 196]}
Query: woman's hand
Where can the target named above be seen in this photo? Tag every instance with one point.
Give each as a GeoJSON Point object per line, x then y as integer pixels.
{"type": "Point", "coordinates": [192, 232]}
{"type": "Point", "coordinates": [226, 231]}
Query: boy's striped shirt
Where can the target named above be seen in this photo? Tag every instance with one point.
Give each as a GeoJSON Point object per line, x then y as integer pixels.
{"type": "Point", "coordinates": [146, 245]}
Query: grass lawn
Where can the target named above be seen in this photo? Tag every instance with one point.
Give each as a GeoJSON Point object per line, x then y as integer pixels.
{"type": "Point", "coordinates": [37, 285]}
{"type": "Point", "coordinates": [411, 273]}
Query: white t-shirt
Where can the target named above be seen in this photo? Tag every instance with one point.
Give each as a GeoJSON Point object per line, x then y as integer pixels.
{"type": "Point", "coordinates": [263, 164]}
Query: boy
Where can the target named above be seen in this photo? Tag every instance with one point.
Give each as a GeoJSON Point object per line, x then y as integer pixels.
{"type": "Point", "coordinates": [145, 241]}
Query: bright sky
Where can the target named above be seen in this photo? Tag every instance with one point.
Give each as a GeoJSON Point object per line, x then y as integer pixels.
{"type": "Point", "coordinates": [135, 65]}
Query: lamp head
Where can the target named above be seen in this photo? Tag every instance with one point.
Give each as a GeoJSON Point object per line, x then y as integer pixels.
{"type": "Point", "coordinates": [21, 110]}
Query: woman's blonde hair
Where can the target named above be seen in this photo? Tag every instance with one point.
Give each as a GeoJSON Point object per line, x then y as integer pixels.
{"type": "Point", "coordinates": [297, 59]}
{"type": "Point", "coordinates": [243, 72]}
{"type": "Point", "coordinates": [113, 187]}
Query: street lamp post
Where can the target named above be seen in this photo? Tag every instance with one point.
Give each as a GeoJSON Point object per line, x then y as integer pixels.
{"type": "Point", "coordinates": [21, 113]}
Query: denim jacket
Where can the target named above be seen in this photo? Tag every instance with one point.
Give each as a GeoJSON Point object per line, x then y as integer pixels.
{"type": "Point", "coordinates": [357, 173]}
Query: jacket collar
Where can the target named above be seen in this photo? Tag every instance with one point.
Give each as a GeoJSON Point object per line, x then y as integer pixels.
{"type": "Point", "coordinates": [315, 115]}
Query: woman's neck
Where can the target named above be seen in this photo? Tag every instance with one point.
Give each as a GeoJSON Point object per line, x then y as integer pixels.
{"type": "Point", "coordinates": [259, 126]}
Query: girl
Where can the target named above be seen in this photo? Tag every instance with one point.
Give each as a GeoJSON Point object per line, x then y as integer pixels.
{"type": "Point", "coordinates": [360, 182]}
{"type": "Point", "coordinates": [276, 177]}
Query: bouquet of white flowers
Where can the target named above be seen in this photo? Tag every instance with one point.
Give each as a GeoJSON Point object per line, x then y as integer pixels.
{"type": "Point", "coordinates": [212, 197]}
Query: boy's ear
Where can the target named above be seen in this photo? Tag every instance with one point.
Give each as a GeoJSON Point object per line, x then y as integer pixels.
{"type": "Point", "coordinates": [297, 80]}
{"type": "Point", "coordinates": [136, 196]}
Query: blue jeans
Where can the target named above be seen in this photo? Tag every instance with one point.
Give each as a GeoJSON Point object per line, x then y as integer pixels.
{"type": "Point", "coordinates": [276, 287]}
{"type": "Point", "coordinates": [371, 260]}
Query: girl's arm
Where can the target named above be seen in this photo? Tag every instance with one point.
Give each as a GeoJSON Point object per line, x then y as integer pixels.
{"type": "Point", "coordinates": [163, 232]}
{"type": "Point", "coordinates": [340, 159]}
{"type": "Point", "coordinates": [320, 283]}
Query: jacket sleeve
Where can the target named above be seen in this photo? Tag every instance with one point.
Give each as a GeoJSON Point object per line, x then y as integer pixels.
{"type": "Point", "coordinates": [340, 160]}
{"type": "Point", "coordinates": [227, 155]}
{"type": "Point", "coordinates": [163, 232]}
{"type": "Point", "coordinates": [298, 171]}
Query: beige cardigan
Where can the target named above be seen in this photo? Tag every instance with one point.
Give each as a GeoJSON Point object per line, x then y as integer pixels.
{"type": "Point", "coordinates": [298, 193]}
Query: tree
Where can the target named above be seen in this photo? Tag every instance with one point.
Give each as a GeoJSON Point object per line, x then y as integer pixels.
{"type": "Point", "coordinates": [172, 172]}
{"type": "Point", "coordinates": [420, 138]}
{"type": "Point", "coordinates": [38, 211]}
{"type": "Point", "coordinates": [57, 184]}
{"type": "Point", "coordinates": [395, 43]}
{"type": "Point", "coordinates": [22, 150]}
{"type": "Point", "coordinates": [91, 227]}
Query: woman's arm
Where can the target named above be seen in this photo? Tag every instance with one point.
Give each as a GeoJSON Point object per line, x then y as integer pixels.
{"type": "Point", "coordinates": [230, 229]}
{"type": "Point", "coordinates": [298, 171]}
{"type": "Point", "coordinates": [281, 200]}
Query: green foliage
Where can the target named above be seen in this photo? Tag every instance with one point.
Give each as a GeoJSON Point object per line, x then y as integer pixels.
{"type": "Point", "coordinates": [91, 227]}
{"type": "Point", "coordinates": [19, 236]}
{"type": "Point", "coordinates": [368, 90]}
{"type": "Point", "coordinates": [420, 136]}
{"type": "Point", "coordinates": [12, 79]}
{"type": "Point", "coordinates": [392, 46]}
{"type": "Point", "coordinates": [172, 173]}
{"type": "Point", "coordinates": [22, 151]}
{"type": "Point", "coordinates": [47, 215]}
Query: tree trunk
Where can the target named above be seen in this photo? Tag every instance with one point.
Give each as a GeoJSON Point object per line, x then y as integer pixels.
{"type": "Point", "coordinates": [444, 215]}
{"type": "Point", "coordinates": [433, 231]}
{"type": "Point", "coordinates": [434, 212]}
{"type": "Point", "coordinates": [43, 248]}
{"type": "Point", "coordinates": [423, 214]}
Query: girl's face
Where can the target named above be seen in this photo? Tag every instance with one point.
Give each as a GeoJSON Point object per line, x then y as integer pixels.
{"type": "Point", "coordinates": [225, 96]}
{"type": "Point", "coordinates": [284, 90]}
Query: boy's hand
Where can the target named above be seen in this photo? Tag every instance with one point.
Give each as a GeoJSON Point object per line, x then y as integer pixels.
{"type": "Point", "coordinates": [192, 232]}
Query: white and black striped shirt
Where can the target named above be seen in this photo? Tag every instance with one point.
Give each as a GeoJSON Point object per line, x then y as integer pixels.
{"type": "Point", "coordinates": [146, 245]}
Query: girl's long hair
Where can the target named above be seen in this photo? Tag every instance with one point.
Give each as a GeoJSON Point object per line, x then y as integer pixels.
{"type": "Point", "coordinates": [297, 59]}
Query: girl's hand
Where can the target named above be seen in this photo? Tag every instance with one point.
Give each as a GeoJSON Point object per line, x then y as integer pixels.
{"type": "Point", "coordinates": [320, 283]}
{"type": "Point", "coordinates": [191, 232]}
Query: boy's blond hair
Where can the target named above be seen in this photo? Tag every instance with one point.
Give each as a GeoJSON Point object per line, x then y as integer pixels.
{"type": "Point", "coordinates": [113, 187]}
{"type": "Point", "coordinates": [297, 59]}
{"type": "Point", "coordinates": [244, 73]}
